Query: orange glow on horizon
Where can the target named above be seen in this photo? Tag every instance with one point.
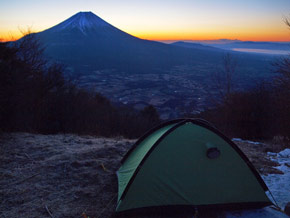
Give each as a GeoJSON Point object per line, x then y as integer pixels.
{"type": "Point", "coordinates": [6, 36]}
{"type": "Point", "coordinates": [185, 36]}
{"type": "Point", "coordinates": [177, 38]}
{"type": "Point", "coordinates": [9, 39]}
{"type": "Point", "coordinates": [188, 37]}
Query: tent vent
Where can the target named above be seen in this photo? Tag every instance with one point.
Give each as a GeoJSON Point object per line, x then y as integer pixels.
{"type": "Point", "coordinates": [212, 151]}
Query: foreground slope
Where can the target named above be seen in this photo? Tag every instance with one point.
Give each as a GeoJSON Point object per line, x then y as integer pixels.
{"type": "Point", "coordinates": [69, 175]}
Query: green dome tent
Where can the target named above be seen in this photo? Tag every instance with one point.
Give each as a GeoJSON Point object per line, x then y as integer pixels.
{"type": "Point", "coordinates": [188, 162]}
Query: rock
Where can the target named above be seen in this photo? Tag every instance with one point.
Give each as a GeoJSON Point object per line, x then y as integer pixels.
{"type": "Point", "coordinates": [287, 209]}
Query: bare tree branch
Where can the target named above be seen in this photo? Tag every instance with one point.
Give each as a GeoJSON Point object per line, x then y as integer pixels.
{"type": "Point", "coordinates": [223, 78]}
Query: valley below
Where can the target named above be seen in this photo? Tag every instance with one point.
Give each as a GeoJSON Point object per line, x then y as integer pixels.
{"type": "Point", "coordinates": [171, 93]}
{"type": "Point", "coordinates": [183, 89]}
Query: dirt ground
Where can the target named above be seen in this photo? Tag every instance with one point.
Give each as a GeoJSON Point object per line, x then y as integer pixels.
{"type": "Point", "coordinates": [70, 175]}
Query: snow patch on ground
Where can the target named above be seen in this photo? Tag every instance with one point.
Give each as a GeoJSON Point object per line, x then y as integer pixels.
{"type": "Point", "coordinates": [264, 212]}
{"type": "Point", "coordinates": [279, 185]}
{"type": "Point", "coordinates": [250, 142]}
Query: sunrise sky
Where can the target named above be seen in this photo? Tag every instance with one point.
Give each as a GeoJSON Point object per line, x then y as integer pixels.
{"type": "Point", "coordinates": [256, 20]}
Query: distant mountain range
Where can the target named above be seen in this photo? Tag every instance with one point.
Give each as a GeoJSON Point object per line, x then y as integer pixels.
{"type": "Point", "coordinates": [196, 46]}
{"type": "Point", "coordinates": [280, 48]}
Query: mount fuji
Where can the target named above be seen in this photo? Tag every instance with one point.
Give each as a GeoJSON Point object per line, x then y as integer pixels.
{"type": "Point", "coordinates": [85, 40]}
{"type": "Point", "coordinates": [85, 24]}
{"type": "Point", "coordinates": [85, 44]}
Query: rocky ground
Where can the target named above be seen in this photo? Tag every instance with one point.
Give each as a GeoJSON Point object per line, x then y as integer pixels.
{"type": "Point", "coordinates": [70, 175]}
{"type": "Point", "coordinates": [257, 155]}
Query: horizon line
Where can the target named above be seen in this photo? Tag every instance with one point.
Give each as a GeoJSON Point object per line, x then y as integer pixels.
{"type": "Point", "coordinates": [3, 40]}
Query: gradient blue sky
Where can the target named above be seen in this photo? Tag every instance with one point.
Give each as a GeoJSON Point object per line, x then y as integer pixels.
{"type": "Point", "coordinates": [258, 20]}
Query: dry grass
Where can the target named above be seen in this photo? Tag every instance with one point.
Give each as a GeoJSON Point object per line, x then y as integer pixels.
{"type": "Point", "coordinates": [68, 175]}
{"type": "Point", "coordinates": [64, 175]}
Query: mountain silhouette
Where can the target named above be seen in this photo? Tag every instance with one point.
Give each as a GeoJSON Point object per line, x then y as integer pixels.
{"type": "Point", "coordinates": [86, 41]}
{"type": "Point", "coordinates": [84, 25]}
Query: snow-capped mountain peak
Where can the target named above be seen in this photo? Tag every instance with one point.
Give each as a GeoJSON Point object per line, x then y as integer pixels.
{"type": "Point", "coordinates": [82, 21]}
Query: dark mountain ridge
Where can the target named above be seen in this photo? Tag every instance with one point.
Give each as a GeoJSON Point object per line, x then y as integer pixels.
{"type": "Point", "coordinates": [196, 46]}
{"type": "Point", "coordinates": [86, 39]}
{"type": "Point", "coordinates": [86, 43]}
{"type": "Point", "coordinates": [255, 45]}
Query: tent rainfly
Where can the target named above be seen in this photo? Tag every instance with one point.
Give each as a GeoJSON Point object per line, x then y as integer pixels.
{"type": "Point", "coordinates": [188, 163]}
